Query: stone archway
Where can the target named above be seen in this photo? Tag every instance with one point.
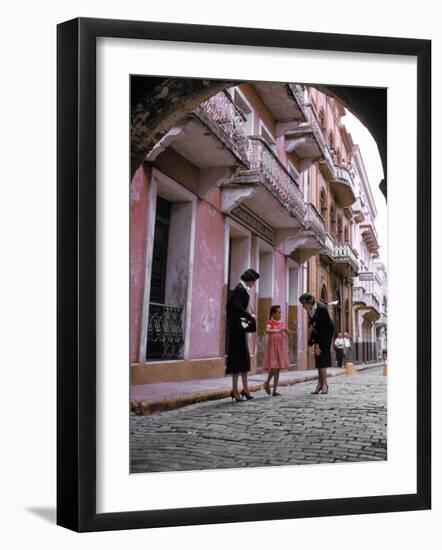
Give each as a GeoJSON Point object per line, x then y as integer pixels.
{"type": "Point", "coordinates": [157, 103]}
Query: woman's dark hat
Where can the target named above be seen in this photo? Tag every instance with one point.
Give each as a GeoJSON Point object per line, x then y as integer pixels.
{"type": "Point", "coordinates": [249, 275]}
{"type": "Point", "coordinates": [306, 298]}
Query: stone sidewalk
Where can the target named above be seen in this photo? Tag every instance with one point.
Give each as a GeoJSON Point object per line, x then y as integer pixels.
{"type": "Point", "coordinates": [151, 398]}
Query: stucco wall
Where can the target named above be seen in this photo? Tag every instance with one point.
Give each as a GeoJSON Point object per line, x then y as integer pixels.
{"type": "Point", "coordinates": [138, 217]}
{"type": "Point", "coordinates": [208, 280]}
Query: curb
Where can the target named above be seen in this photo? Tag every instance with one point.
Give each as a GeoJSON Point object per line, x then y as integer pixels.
{"type": "Point", "coordinates": [146, 408]}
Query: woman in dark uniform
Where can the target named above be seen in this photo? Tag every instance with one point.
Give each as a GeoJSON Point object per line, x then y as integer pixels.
{"type": "Point", "coordinates": [321, 336]}
{"type": "Point", "coordinates": [238, 358]}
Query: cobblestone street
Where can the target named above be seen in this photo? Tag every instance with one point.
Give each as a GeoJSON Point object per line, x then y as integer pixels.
{"type": "Point", "coordinates": [349, 424]}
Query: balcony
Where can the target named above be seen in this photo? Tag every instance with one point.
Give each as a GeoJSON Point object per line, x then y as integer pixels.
{"type": "Point", "coordinates": [382, 321]}
{"type": "Point", "coordinates": [266, 188]}
{"type": "Point", "coordinates": [341, 184]}
{"type": "Point", "coordinates": [345, 260]}
{"type": "Point", "coordinates": [315, 224]}
{"type": "Point", "coordinates": [357, 211]}
{"type": "Point", "coordinates": [367, 303]}
{"type": "Point", "coordinates": [213, 136]}
{"type": "Point", "coordinates": [359, 297]}
{"type": "Point", "coordinates": [219, 110]}
{"type": "Point", "coordinates": [370, 237]}
{"type": "Point", "coordinates": [342, 256]}
{"type": "Point", "coordinates": [304, 136]}
{"type": "Point", "coordinates": [276, 177]}
{"type": "Point", "coordinates": [310, 240]}
{"type": "Point", "coordinates": [279, 101]}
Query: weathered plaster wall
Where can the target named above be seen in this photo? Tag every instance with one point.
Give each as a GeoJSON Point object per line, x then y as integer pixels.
{"type": "Point", "coordinates": [178, 254]}
{"type": "Point", "coordinates": [208, 279]}
{"type": "Point", "coordinates": [138, 218]}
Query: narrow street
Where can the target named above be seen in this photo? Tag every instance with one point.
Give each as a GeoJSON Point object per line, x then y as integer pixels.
{"type": "Point", "coordinates": [347, 425]}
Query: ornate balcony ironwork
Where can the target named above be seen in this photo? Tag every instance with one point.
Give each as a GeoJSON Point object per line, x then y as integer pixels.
{"type": "Point", "coordinates": [275, 176]}
{"type": "Point", "coordinates": [229, 118]}
{"type": "Point", "coordinates": [165, 335]}
{"type": "Point", "coordinates": [344, 253]}
{"type": "Point", "coordinates": [342, 256]}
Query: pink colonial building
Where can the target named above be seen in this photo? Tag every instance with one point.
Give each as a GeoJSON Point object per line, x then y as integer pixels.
{"type": "Point", "coordinates": [227, 188]}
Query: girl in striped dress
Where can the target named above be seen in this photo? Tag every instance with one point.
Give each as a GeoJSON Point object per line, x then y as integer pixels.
{"type": "Point", "coordinates": [276, 355]}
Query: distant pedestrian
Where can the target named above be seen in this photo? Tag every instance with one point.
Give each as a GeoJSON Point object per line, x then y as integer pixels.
{"type": "Point", "coordinates": [339, 349]}
{"type": "Point", "coordinates": [321, 336]}
{"type": "Point", "coordinates": [347, 348]}
{"type": "Point", "coordinates": [276, 355]}
{"type": "Point", "coordinates": [239, 322]}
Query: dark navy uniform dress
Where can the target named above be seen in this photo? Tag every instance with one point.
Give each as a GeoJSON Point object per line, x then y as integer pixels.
{"type": "Point", "coordinates": [322, 334]}
{"type": "Point", "coordinates": [238, 357]}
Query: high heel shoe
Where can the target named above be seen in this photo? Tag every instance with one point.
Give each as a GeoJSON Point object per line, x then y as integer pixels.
{"type": "Point", "coordinates": [233, 396]}
{"type": "Point", "coordinates": [324, 392]}
{"type": "Point", "coordinates": [246, 395]}
{"type": "Point", "coordinates": [318, 389]}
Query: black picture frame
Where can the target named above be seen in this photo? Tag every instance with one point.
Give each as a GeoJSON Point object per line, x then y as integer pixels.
{"type": "Point", "coordinates": [76, 274]}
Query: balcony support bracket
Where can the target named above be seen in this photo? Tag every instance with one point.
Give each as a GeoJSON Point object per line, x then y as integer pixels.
{"type": "Point", "coordinates": [233, 195]}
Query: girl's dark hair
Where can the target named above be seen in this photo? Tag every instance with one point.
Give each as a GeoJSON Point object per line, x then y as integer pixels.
{"type": "Point", "coordinates": [273, 310]}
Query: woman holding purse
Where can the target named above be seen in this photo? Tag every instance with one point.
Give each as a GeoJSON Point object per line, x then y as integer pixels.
{"type": "Point", "coordinates": [239, 322]}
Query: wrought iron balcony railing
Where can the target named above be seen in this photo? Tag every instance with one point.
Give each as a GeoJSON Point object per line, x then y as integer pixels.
{"type": "Point", "coordinates": [165, 335]}
{"type": "Point", "coordinates": [277, 179]}
{"type": "Point", "coordinates": [232, 122]}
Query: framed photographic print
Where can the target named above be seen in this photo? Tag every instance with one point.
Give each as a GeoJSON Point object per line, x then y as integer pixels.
{"type": "Point", "coordinates": [243, 295]}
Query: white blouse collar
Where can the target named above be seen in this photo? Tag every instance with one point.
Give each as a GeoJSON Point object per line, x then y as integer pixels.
{"type": "Point", "coordinates": [244, 285]}
{"type": "Point", "coordinates": [313, 310]}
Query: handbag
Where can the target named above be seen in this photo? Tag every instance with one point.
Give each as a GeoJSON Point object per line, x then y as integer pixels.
{"type": "Point", "coordinates": [249, 325]}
